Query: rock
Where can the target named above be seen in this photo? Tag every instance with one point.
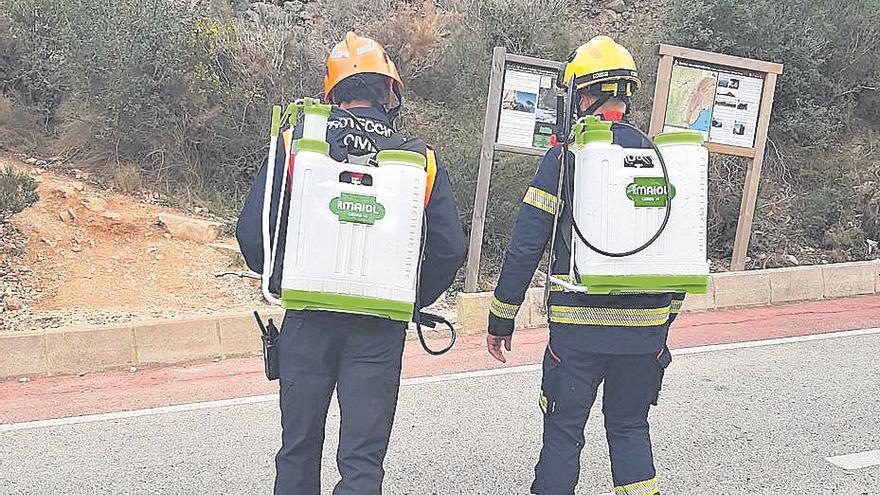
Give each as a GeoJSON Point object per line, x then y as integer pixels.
{"type": "Point", "coordinates": [793, 260]}
{"type": "Point", "coordinates": [13, 304]}
{"type": "Point", "coordinates": [167, 235]}
{"type": "Point", "coordinates": [111, 215]}
{"type": "Point", "coordinates": [78, 186]}
{"type": "Point", "coordinates": [226, 248]}
{"type": "Point", "coordinates": [81, 374]}
{"type": "Point", "coordinates": [618, 6]}
{"type": "Point", "coordinates": [132, 369]}
{"type": "Point", "coordinates": [63, 191]}
{"type": "Point", "coordinates": [67, 215]}
{"type": "Point", "coordinates": [76, 248]}
{"type": "Point", "coordinates": [96, 205]}
{"type": "Point", "coordinates": [159, 257]}
{"type": "Point", "coordinates": [24, 379]}
{"type": "Point", "coordinates": [30, 161]}
{"type": "Point", "coordinates": [190, 229]}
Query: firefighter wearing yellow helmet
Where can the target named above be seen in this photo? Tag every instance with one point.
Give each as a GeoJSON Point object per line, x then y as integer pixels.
{"type": "Point", "coordinates": [619, 339]}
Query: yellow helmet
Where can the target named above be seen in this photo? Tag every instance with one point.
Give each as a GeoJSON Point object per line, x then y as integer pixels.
{"type": "Point", "coordinates": [604, 67]}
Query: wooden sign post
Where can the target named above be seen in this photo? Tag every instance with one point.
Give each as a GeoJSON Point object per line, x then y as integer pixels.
{"type": "Point", "coordinates": [522, 105]}
{"type": "Point", "coordinates": [729, 100]}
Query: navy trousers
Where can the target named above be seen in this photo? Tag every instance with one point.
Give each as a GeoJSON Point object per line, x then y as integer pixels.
{"type": "Point", "coordinates": [359, 356]}
{"type": "Point", "coordinates": [571, 379]}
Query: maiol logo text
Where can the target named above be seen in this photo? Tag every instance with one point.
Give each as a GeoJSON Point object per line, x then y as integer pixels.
{"type": "Point", "coordinates": [357, 208]}
{"type": "Point", "coordinates": [649, 192]}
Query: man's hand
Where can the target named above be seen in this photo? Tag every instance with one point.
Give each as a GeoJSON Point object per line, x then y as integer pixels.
{"type": "Point", "coordinates": [493, 345]}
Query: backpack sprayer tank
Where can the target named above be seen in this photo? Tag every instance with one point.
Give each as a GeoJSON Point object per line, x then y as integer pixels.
{"type": "Point", "coordinates": [619, 201]}
{"type": "Point", "coordinates": [354, 232]}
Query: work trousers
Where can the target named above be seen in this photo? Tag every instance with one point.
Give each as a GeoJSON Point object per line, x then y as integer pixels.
{"type": "Point", "coordinates": [571, 379]}
{"type": "Point", "coordinates": [359, 356]}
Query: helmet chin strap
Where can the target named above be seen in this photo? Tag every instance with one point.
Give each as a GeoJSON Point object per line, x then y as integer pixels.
{"type": "Point", "coordinates": [613, 116]}
{"type": "Point", "coordinates": [394, 111]}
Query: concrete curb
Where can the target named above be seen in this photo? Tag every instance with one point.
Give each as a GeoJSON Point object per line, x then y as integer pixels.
{"type": "Point", "coordinates": [726, 291]}
{"type": "Point", "coordinates": [92, 349]}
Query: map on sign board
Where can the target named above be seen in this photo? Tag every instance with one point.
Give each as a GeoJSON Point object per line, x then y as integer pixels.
{"type": "Point", "coordinates": [528, 107]}
{"type": "Point", "coordinates": [720, 102]}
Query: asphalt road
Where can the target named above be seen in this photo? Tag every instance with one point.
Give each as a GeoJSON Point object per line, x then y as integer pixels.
{"type": "Point", "coordinates": [744, 421]}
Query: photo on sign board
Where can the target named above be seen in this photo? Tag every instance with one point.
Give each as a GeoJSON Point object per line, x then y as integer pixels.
{"type": "Point", "coordinates": [542, 135]}
{"type": "Point", "coordinates": [717, 124]}
{"type": "Point", "coordinates": [519, 101]}
{"type": "Point", "coordinates": [739, 128]}
{"type": "Point", "coordinates": [546, 111]}
{"type": "Point", "coordinates": [726, 82]}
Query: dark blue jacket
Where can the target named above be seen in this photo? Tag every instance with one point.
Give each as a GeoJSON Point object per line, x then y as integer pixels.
{"type": "Point", "coordinates": [613, 324]}
{"type": "Point", "coordinates": [445, 244]}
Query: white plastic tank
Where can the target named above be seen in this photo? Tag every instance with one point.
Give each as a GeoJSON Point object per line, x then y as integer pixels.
{"type": "Point", "coordinates": [354, 233]}
{"type": "Point", "coordinates": [619, 202]}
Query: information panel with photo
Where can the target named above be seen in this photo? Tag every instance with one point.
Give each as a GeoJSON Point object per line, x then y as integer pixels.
{"type": "Point", "coordinates": [528, 107]}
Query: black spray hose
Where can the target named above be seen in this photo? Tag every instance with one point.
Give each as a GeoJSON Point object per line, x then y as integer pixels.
{"type": "Point", "coordinates": [668, 203]}
{"type": "Point", "coordinates": [430, 319]}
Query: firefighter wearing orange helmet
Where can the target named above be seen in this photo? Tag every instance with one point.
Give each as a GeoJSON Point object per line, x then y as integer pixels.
{"type": "Point", "coordinates": [358, 356]}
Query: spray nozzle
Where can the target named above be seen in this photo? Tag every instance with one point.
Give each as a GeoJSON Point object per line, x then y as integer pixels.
{"type": "Point", "coordinates": [276, 121]}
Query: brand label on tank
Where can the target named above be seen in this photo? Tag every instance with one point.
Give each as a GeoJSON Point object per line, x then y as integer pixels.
{"type": "Point", "coordinates": [357, 208]}
{"type": "Point", "coordinates": [649, 192]}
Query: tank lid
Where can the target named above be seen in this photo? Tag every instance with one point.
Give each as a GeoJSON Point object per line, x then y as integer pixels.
{"type": "Point", "coordinates": [678, 137]}
{"type": "Point", "coordinates": [313, 145]}
{"type": "Point", "coordinates": [401, 156]}
{"type": "Point", "coordinates": [592, 129]}
{"type": "Point", "coordinates": [312, 106]}
{"type": "Point", "coordinates": [597, 137]}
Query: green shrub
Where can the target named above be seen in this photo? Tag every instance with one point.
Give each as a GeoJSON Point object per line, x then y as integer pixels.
{"type": "Point", "coordinates": [826, 104]}
{"type": "Point", "coordinates": [17, 192]}
{"type": "Point", "coordinates": [829, 50]}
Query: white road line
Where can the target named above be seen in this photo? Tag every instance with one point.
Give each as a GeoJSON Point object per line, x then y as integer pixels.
{"type": "Point", "coordinates": [769, 342]}
{"type": "Point", "coordinates": [422, 380]}
{"type": "Point", "coordinates": [859, 460]}
{"type": "Point", "coordinates": [92, 418]}
{"type": "Point", "coordinates": [405, 382]}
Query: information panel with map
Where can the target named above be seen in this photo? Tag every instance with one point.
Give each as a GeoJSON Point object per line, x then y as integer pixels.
{"type": "Point", "coordinates": [720, 102]}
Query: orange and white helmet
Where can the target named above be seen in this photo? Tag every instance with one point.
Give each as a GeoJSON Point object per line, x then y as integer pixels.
{"type": "Point", "coordinates": [359, 55]}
